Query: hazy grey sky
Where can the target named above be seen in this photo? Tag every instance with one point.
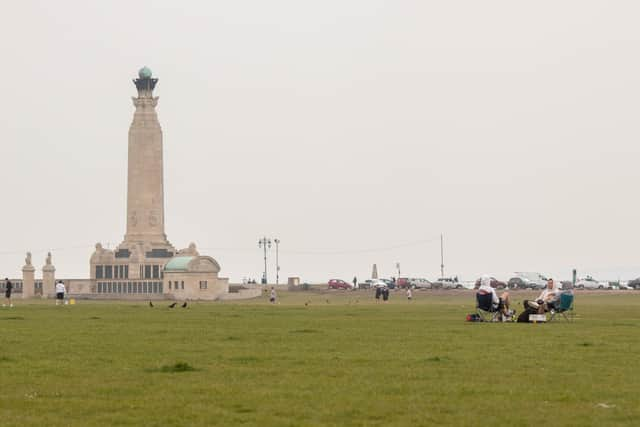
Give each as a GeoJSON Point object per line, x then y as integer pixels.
{"type": "Point", "coordinates": [348, 129]}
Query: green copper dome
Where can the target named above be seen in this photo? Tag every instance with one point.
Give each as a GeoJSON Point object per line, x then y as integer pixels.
{"type": "Point", "coordinates": [144, 73]}
{"type": "Point", "coordinates": [178, 263]}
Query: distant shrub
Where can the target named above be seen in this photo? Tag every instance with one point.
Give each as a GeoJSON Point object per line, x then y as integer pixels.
{"type": "Point", "coordinates": [178, 367]}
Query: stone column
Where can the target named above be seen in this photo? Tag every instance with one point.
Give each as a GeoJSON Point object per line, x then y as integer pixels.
{"type": "Point", "coordinates": [145, 186]}
{"type": "Point", "coordinates": [28, 278]}
{"type": "Point", "coordinates": [48, 278]}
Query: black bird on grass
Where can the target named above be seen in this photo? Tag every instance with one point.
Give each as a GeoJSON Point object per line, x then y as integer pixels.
{"type": "Point", "coordinates": [150, 304]}
{"type": "Point", "coordinates": [172, 305]}
{"type": "Point", "coordinates": [184, 305]}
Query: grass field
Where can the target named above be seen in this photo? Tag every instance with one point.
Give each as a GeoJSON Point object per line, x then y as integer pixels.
{"type": "Point", "coordinates": [335, 362]}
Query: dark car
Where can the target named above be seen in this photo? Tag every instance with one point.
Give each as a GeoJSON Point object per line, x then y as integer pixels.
{"type": "Point", "coordinates": [339, 284]}
{"type": "Point", "coordinates": [516, 283]}
{"type": "Point", "coordinates": [495, 283]}
{"type": "Point", "coordinates": [635, 283]}
{"type": "Point", "coordinates": [527, 281]}
{"type": "Point", "coordinates": [390, 283]}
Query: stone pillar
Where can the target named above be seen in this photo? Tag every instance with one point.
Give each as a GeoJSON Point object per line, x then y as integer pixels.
{"type": "Point", "coordinates": [145, 188]}
{"type": "Point", "coordinates": [48, 278]}
{"type": "Point", "coordinates": [28, 278]}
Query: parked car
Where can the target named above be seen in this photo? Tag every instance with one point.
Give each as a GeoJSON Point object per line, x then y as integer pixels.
{"type": "Point", "coordinates": [390, 283]}
{"type": "Point", "coordinates": [566, 284]}
{"type": "Point", "coordinates": [420, 283]}
{"type": "Point", "coordinates": [495, 283]}
{"type": "Point", "coordinates": [403, 282]}
{"type": "Point", "coordinates": [372, 283]}
{"type": "Point", "coordinates": [623, 285]}
{"type": "Point", "coordinates": [619, 285]}
{"type": "Point", "coordinates": [379, 283]}
{"type": "Point", "coordinates": [591, 283]}
{"type": "Point", "coordinates": [339, 284]}
{"type": "Point", "coordinates": [447, 283]}
{"type": "Point", "coordinates": [634, 284]}
{"type": "Point", "coordinates": [526, 280]}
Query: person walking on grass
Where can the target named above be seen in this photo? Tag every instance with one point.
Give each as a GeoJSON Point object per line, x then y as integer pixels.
{"type": "Point", "coordinates": [385, 294]}
{"type": "Point", "coordinates": [272, 297]}
{"type": "Point", "coordinates": [409, 294]}
{"type": "Point", "coordinates": [60, 290]}
{"type": "Point", "coordinates": [8, 287]}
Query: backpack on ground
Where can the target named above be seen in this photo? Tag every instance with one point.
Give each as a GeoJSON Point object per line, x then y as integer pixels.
{"type": "Point", "coordinates": [474, 317]}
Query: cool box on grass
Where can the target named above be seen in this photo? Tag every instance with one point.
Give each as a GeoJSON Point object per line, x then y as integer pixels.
{"type": "Point", "coordinates": [535, 318]}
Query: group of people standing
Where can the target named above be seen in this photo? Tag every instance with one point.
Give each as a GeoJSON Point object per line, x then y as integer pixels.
{"type": "Point", "coordinates": [382, 291]}
{"type": "Point", "coordinates": [8, 289]}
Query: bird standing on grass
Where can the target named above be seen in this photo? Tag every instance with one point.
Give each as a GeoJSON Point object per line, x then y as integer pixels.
{"type": "Point", "coordinates": [173, 305]}
{"type": "Point", "coordinates": [184, 305]}
{"type": "Point", "coordinates": [150, 304]}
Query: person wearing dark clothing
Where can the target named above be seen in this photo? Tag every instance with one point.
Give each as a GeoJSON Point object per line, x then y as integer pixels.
{"type": "Point", "coordinates": [8, 287]}
{"type": "Point", "coordinates": [385, 294]}
{"type": "Point", "coordinates": [378, 293]}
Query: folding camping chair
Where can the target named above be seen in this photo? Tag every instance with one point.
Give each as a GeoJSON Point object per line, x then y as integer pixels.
{"type": "Point", "coordinates": [565, 307]}
{"type": "Point", "coordinates": [485, 308]}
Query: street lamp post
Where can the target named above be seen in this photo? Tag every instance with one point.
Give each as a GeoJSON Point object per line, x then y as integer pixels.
{"type": "Point", "coordinates": [263, 243]}
{"type": "Point", "coordinates": [277, 242]}
{"type": "Point", "coordinates": [441, 256]}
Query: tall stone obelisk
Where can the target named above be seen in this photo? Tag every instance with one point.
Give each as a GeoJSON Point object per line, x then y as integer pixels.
{"type": "Point", "coordinates": [145, 191]}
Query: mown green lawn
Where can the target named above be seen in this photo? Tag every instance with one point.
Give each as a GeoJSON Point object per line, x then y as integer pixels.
{"type": "Point", "coordinates": [342, 360]}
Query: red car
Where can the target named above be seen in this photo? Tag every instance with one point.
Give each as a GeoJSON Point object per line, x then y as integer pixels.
{"type": "Point", "coordinates": [495, 283]}
{"type": "Point", "coordinates": [339, 284]}
{"type": "Point", "coordinates": [402, 282]}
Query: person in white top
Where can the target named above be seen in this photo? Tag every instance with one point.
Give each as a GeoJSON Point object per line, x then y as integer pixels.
{"type": "Point", "coordinates": [547, 298]}
{"type": "Point", "coordinates": [409, 294]}
{"type": "Point", "coordinates": [272, 297]}
{"type": "Point", "coordinates": [60, 290]}
{"type": "Point", "coordinates": [501, 302]}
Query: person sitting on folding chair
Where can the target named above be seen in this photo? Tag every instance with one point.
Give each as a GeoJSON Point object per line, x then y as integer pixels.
{"type": "Point", "coordinates": [563, 306]}
{"type": "Point", "coordinates": [547, 300]}
{"type": "Point", "coordinates": [499, 303]}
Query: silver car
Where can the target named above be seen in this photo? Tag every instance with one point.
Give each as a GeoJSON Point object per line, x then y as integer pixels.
{"type": "Point", "coordinates": [419, 283]}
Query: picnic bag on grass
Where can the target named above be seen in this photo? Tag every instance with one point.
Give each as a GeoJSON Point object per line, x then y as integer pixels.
{"type": "Point", "coordinates": [474, 317]}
